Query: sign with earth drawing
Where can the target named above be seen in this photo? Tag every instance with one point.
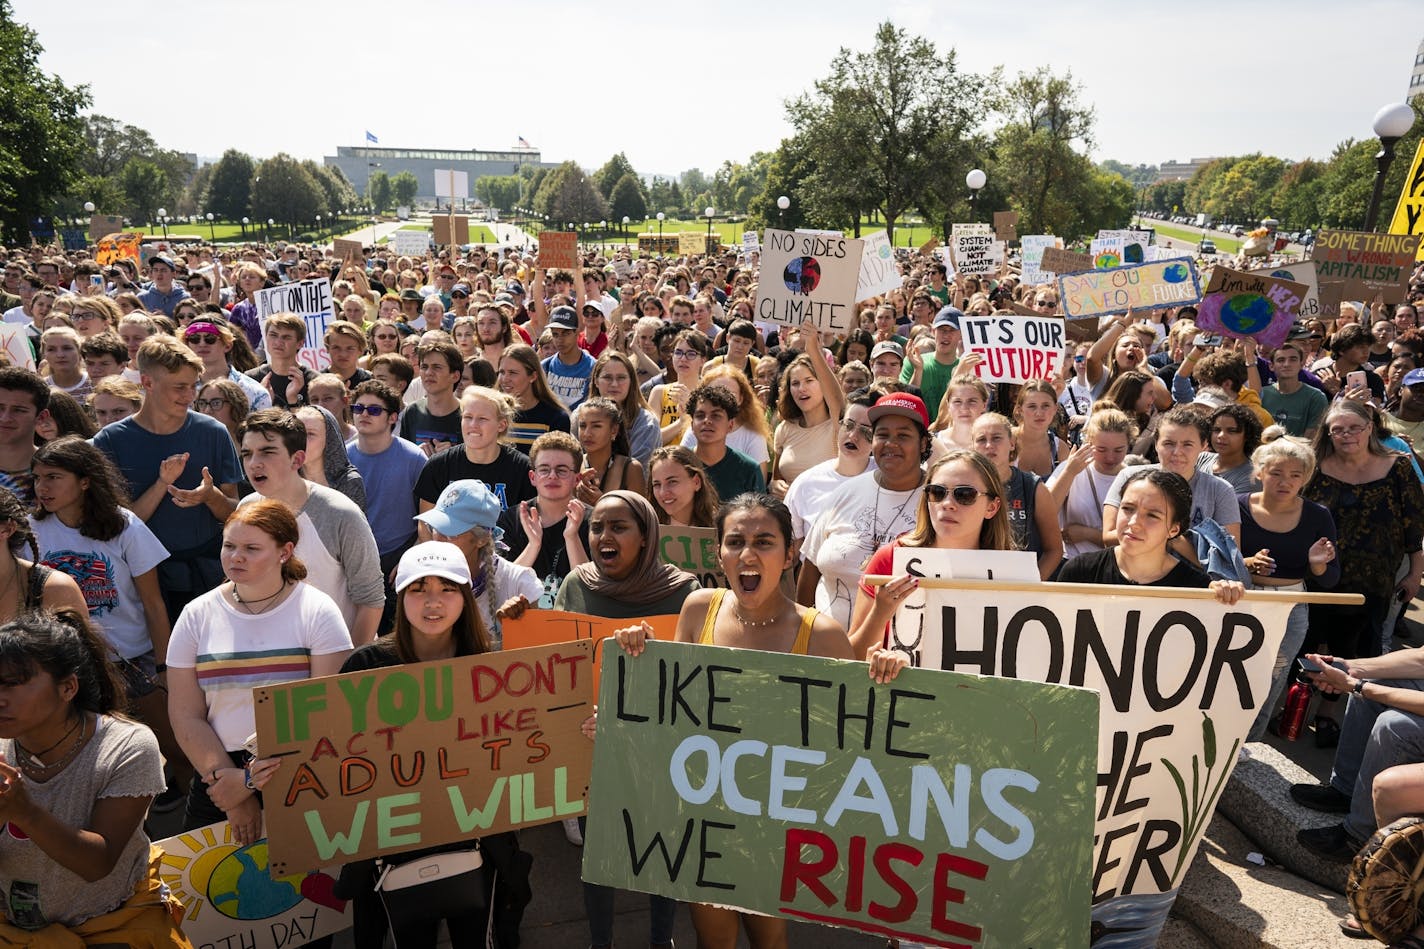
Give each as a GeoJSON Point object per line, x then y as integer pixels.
{"type": "Point", "coordinates": [807, 276]}
{"type": "Point", "coordinates": [1256, 305]}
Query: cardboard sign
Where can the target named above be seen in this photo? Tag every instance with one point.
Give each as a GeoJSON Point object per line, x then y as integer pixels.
{"type": "Point", "coordinates": [230, 899]}
{"type": "Point", "coordinates": [1253, 304]}
{"type": "Point", "coordinates": [928, 247]}
{"type": "Point", "coordinates": [691, 244]}
{"type": "Point", "coordinates": [311, 300]}
{"type": "Point", "coordinates": [117, 247]}
{"type": "Point", "coordinates": [1150, 286]}
{"type": "Point", "coordinates": [1180, 680]}
{"type": "Point", "coordinates": [1006, 225]}
{"type": "Point", "coordinates": [451, 229]}
{"type": "Point", "coordinates": [15, 343]}
{"type": "Point", "coordinates": [1369, 264]}
{"type": "Point", "coordinates": [429, 753]}
{"type": "Point", "coordinates": [1058, 260]}
{"type": "Point", "coordinates": [879, 272]}
{"type": "Point", "coordinates": [927, 809]}
{"type": "Point", "coordinates": [1302, 273]}
{"type": "Point", "coordinates": [1015, 348]}
{"type": "Point", "coordinates": [411, 243]}
{"type": "Point", "coordinates": [808, 277]}
{"type": "Point", "coordinates": [548, 627]}
{"type": "Point", "coordinates": [102, 225]}
{"type": "Point", "coordinates": [558, 250]}
{"type": "Point", "coordinates": [693, 549]}
{"type": "Point", "coordinates": [1408, 215]}
{"type": "Point", "coordinates": [343, 249]}
{"type": "Point", "coordinates": [976, 254]}
{"type": "Point", "coordinates": [1031, 251]}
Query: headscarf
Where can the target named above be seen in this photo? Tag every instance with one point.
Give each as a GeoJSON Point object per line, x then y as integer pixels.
{"type": "Point", "coordinates": [336, 464]}
{"type": "Point", "coordinates": [651, 579]}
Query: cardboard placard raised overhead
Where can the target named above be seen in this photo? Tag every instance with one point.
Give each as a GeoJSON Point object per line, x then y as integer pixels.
{"type": "Point", "coordinates": [808, 277]}
{"type": "Point", "coordinates": [230, 899]}
{"type": "Point", "coordinates": [1031, 251]}
{"type": "Point", "coordinates": [1408, 217]}
{"type": "Point", "coordinates": [928, 247]}
{"type": "Point", "coordinates": [405, 757]}
{"type": "Point", "coordinates": [1149, 286]}
{"type": "Point", "coordinates": [1369, 264]}
{"type": "Point", "coordinates": [311, 300]}
{"type": "Point", "coordinates": [976, 254]}
{"type": "Point", "coordinates": [451, 229]}
{"type": "Point", "coordinates": [343, 249]}
{"type": "Point", "coordinates": [693, 549]}
{"type": "Point", "coordinates": [1180, 680]}
{"type": "Point", "coordinates": [1251, 304]}
{"type": "Point", "coordinates": [117, 247]}
{"type": "Point", "coordinates": [1015, 348]}
{"type": "Point", "coordinates": [558, 250]}
{"type": "Point", "coordinates": [102, 225]}
{"type": "Point", "coordinates": [927, 809]}
{"type": "Point", "coordinates": [879, 271]}
{"type": "Point", "coordinates": [691, 244]}
{"type": "Point", "coordinates": [1006, 225]}
{"type": "Point", "coordinates": [411, 243]}
{"type": "Point", "coordinates": [1302, 273]}
{"type": "Point", "coordinates": [1058, 260]}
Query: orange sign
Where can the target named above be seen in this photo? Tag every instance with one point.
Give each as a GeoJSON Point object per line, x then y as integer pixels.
{"type": "Point", "coordinates": [546, 627]}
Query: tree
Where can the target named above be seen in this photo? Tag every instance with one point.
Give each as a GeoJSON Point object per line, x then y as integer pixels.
{"type": "Point", "coordinates": [41, 146]}
{"type": "Point", "coordinates": [568, 195]}
{"type": "Point", "coordinates": [1296, 202]}
{"type": "Point", "coordinates": [285, 191]}
{"type": "Point", "coordinates": [612, 172]}
{"type": "Point", "coordinates": [404, 188]}
{"type": "Point", "coordinates": [1139, 176]}
{"type": "Point", "coordinates": [659, 192]}
{"type": "Point", "coordinates": [1168, 197]}
{"type": "Point", "coordinates": [1038, 161]}
{"type": "Point", "coordinates": [694, 183]}
{"type": "Point", "coordinates": [145, 185]}
{"type": "Point", "coordinates": [229, 193]}
{"type": "Point", "coordinates": [499, 191]}
{"type": "Point", "coordinates": [105, 192]}
{"type": "Point", "coordinates": [378, 191]}
{"type": "Point", "coordinates": [627, 200]}
{"type": "Point", "coordinates": [877, 123]}
{"type": "Point", "coordinates": [787, 169]}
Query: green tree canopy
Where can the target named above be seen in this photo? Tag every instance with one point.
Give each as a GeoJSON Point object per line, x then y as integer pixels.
{"type": "Point", "coordinates": [627, 200]}
{"type": "Point", "coordinates": [285, 191]}
{"type": "Point", "coordinates": [378, 191]}
{"type": "Point", "coordinates": [612, 172]}
{"type": "Point", "coordinates": [229, 193]}
{"type": "Point", "coordinates": [404, 188]}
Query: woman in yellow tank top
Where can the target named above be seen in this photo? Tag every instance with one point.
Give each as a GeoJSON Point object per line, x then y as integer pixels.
{"type": "Point", "coordinates": [754, 547]}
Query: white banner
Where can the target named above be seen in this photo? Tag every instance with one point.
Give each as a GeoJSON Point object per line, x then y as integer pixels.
{"type": "Point", "coordinates": [1033, 246]}
{"type": "Point", "coordinates": [878, 271]}
{"type": "Point", "coordinates": [1015, 348]}
{"type": "Point", "coordinates": [311, 300]}
{"type": "Point", "coordinates": [452, 184]}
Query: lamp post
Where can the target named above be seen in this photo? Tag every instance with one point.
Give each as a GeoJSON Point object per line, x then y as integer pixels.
{"type": "Point", "coordinates": [163, 219]}
{"type": "Point", "coordinates": [373, 234]}
{"type": "Point", "coordinates": [660, 231]}
{"type": "Point", "coordinates": [1392, 122]}
{"type": "Point", "coordinates": [212, 234]}
{"type": "Point", "coordinates": [782, 203]}
{"type": "Point", "coordinates": [975, 180]}
{"type": "Point", "coordinates": [603, 237]}
{"type": "Point", "coordinates": [245, 222]}
{"type": "Point", "coordinates": [88, 207]}
{"type": "Point", "coordinates": [318, 227]}
{"type": "Point", "coordinates": [710, 213]}
{"type": "Point", "coordinates": [625, 230]}
{"type": "Point", "coordinates": [270, 224]}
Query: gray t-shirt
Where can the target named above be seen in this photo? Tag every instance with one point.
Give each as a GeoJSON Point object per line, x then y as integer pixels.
{"type": "Point", "coordinates": [1211, 496]}
{"type": "Point", "coordinates": [121, 760]}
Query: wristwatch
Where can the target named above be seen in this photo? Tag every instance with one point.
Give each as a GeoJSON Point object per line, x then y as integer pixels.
{"type": "Point", "coordinates": [1359, 688]}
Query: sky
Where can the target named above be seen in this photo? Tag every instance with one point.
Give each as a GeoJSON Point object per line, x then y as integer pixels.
{"type": "Point", "coordinates": [674, 89]}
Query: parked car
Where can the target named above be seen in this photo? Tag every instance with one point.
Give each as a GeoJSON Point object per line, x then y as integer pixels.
{"type": "Point", "coordinates": [1207, 246]}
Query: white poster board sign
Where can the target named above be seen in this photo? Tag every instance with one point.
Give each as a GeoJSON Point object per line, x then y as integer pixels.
{"type": "Point", "coordinates": [1033, 246]}
{"type": "Point", "coordinates": [808, 277]}
{"type": "Point", "coordinates": [452, 184]}
{"type": "Point", "coordinates": [411, 243]}
{"type": "Point", "coordinates": [311, 300]}
{"type": "Point", "coordinates": [14, 337]}
{"type": "Point", "coordinates": [1015, 348]}
{"type": "Point", "coordinates": [879, 272]}
{"type": "Point", "coordinates": [977, 254]}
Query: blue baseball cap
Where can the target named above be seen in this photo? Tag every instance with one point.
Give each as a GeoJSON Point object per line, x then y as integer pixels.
{"type": "Point", "coordinates": [463, 506]}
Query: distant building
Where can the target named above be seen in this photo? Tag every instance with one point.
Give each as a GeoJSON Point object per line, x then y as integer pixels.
{"type": "Point", "coordinates": [359, 162]}
{"type": "Point", "coordinates": [1416, 79]}
{"type": "Point", "coordinates": [1180, 170]}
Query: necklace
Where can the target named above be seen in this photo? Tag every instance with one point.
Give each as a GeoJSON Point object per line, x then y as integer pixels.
{"type": "Point", "coordinates": [62, 738]}
{"type": "Point", "coordinates": [29, 762]}
{"type": "Point", "coordinates": [246, 604]}
{"type": "Point", "coordinates": [876, 537]}
{"type": "Point", "coordinates": [757, 624]}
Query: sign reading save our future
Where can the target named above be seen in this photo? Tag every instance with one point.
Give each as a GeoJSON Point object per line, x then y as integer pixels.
{"type": "Point", "coordinates": [1146, 286]}
{"type": "Point", "coordinates": [927, 809]}
{"type": "Point", "coordinates": [396, 759]}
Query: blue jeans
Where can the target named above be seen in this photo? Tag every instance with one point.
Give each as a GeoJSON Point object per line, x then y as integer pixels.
{"type": "Point", "coordinates": [1373, 737]}
{"type": "Point", "coordinates": [598, 905]}
{"type": "Point", "coordinates": [1296, 626]}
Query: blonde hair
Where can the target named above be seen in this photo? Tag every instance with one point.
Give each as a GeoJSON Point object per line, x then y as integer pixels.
{"type": "Point", "coordinates": [750, 412]}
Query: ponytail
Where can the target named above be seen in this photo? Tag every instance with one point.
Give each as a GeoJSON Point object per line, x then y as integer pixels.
{"type": "Point", "coordinates": [62, 643]}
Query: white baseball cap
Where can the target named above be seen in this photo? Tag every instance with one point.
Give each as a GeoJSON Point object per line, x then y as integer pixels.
{"type": "Point", "coordinates": [434, 558]}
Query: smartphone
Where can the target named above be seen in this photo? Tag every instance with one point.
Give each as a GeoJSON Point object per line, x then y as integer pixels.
{"type": "Point", "coordinates": [250, 746]}
{"type": "Point", "coordinates": [1307, 665]}
{"type": "Point", "coordinates": [1207, 340]}
{"type": "Point", "coordinates": [1356, 379]}
{"type": "Point", "coordinates": [96, 281]}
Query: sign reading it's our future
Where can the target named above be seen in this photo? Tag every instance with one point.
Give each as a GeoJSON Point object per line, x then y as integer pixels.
{"type": "Point", "coordinates": [926, 809]}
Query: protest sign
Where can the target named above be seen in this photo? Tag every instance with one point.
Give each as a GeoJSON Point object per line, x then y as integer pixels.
{"type": "Point", "coordinates": [1006, 225]}
{"type": "Point", "coordinates": [343, 249]}
{"type": "Point", "coordinates": [1408, 215]}
{"type": "Point", "coordinates": [405, 757]}
{"type": "Point", "coordinates": [558, 250]}
{"type": "Point", "coordinates": [1015, 348]}
{"type": "Point", "coordinates": [14, 342]}
{"type": "Point", "coordinates": [451, 229]}
{"type": "Point", "coordinates": [117, 247]}
{"type": "Point", "coordinates": [1302, 273]}
{"type": "Point", "coordinates": [808, 277]}
{"type": "Point", "coordinates": [749, 244]}
{"type": "Point", "coordinates": [1369, 264]}
{"type": "Point", "coordinates": [982, 228]}
{"type": "Point", "coordinates": [411, 243]}
{"type": "Point", "coordinates": [311, 300]}
{"type": "Point", "coordinates": [547, 627]}
{"type": "Point", "coordinates": [691, 243]}
{"type": "Point", "coordinates": [879, 273]}
{"type": "Point", "coordinates": [1107, 249]}
{"type": "Point", "coordinates": [929, 246]}
{"type": "Point", "coordinates": [927, 809]}
{"type": "Point", "coordinates": [1254, 304]}
{"type": "Point", "coordinates": [230, 899]}
{"type": "Point", "coordinates": [1060, 261]}
{"type": "Point", "coordinates": [976, 254]}
{"type": "Point", "coordinates": [693, 549]}
{"type": "Point", "coordinates": [1137, 247]}
{"type": "Point", "coordinates": [102, 225]}
{"type": "Point", "coordinates": [1181, 676]}
{"type": "Point", "coordinates": [1332, 294]}
{"type": "Point", "coordinates": [1146, 286]}
{"type": "Point", "coordinates": [1031, 249]}
{"type": "Point", "coordinates": [450, 183]}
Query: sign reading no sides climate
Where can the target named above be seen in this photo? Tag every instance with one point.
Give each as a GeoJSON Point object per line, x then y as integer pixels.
{"type": "Point", "coordinates": [808, 277]}
{"type": "Point", "coordinates": [927, 809]}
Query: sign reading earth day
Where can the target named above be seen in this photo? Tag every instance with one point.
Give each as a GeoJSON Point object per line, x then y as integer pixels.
{"type": "Point", "coordinates": [1180, 678]}
{"type": "Point", "coordinates": [928, 809]}
{"type": "Point", "coordinates": [1255, 304]}
{"type": "Point", "coordinates": [1147, 286]}
{"type": "Point", "coordinates": [808, 276]}
{"type": "Point", "coordinates": [406, 757]}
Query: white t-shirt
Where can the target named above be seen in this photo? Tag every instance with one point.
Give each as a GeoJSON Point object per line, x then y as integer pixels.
{"type": "Point", "coordinates": [856, 519]}
{"type": "Point", "coordinates": [1085, 504]}
{"type": "Point", "coordinates": [16, 314]}
{"type": "Point", "coordinates": [235, 653]}
{"type": "Point", "coordinates": [510, 579]}
{"type": "Point", "coordinates": [743, 440]}
{"type": "Point", "coordinates": [104, 570]}
{"type": "Point", "coordinates": [806, 497]}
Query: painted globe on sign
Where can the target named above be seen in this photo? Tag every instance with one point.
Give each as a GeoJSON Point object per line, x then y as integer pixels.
{"type": "Point", "coordinates": [1247, 313]}
{"type": "Point", "coordinates": [242, 888]}
{"type": "Point", "coordinates": [802, 274]}
{"type": "Point", "coordinates": [1107, 260]}
{"type": "Point", "coordinates": [1176, 273]}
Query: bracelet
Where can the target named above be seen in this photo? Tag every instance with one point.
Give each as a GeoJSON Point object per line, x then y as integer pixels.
{"type": "Point", "coordinates": [1359, 688]}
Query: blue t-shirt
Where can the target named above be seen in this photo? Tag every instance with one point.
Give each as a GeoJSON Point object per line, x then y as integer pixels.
{"type": "Point", "coordinates": [570, 383]}
{"type": "Point", "coordinates": [138, 452]}
{"type": "Point", "coordinates": [389, 475]}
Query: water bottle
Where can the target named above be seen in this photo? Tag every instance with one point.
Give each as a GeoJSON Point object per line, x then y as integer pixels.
{"type": "Point", "coordinates": [1293, 718]}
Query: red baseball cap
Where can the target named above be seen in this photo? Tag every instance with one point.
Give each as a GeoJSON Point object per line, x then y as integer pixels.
{"type": "Point", "coordinates": [903, 404]}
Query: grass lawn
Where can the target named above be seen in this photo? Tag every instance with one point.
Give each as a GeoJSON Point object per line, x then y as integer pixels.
{"type": "Point", "coordinates": [1226, 245]}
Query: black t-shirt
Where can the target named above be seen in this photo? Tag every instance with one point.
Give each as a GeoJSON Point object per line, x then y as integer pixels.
{"type": "Point", "coordinates": [553, 559]}
{"type": "Point", "coordinates": [280, 383]}
{"type": "Point", "coordinates": [357, 377]}
{"type": "Point", "coordinates": [507, 476]}
{"type": "Point", "coordinates": [418, 425]}
{"type": "Point", "coordinates": [530, 423]}
{"type": "Point", "coordinates": [1100, 566]}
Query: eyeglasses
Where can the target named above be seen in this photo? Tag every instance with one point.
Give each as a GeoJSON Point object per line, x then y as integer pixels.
{"type": "Point", "coordinates": [1352, 431]}
{"type": "Point", "coordinates": [205, 339]}
{"type": "Point", "coordinates": [209, 405]}
{"type": "Point", "coordinates": [87, 316]}
{"type": "Point", "coordinates": [686, 354]}
{"type": "Point", "coordinates": [1045, 302]}
{"type": "Point", "coordinates": [375, 411]}
{"type": "Point", "coordinates": [561, 472]}
{"type": "Point", "coordinates": [852, 427]}
{"type": "Point", "coordinates": [963, 494]}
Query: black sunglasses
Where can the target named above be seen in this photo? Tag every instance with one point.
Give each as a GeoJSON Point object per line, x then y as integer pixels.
{"type": "Point", "coordinates": [375, 411]}
{"type": "Point", "coordinates": [963, 494]}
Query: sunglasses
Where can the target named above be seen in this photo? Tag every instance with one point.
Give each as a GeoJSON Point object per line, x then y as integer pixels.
{"type": "Point", "coordinates": [375, 411]}
{"type": "Point", "coordinates": [209, 405]}
{"type": "Point", "coordinates": [963, 494]}
{"type": "Point", "coordinates": [852, 427]}
{"type": "Point", "coordinates": [204, 339]}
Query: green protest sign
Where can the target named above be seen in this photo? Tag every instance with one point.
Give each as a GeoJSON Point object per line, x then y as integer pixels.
{"type": "Point", "coordinates": [928, 809]}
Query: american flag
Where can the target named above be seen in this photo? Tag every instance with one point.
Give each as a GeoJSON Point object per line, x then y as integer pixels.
{"type": "Point", "coordinates": [524, 142]}
{"type": "Point", "coordinates": [371, 138]}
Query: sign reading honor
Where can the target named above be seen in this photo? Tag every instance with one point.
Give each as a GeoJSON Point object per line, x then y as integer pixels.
{"type": "Point", "coordinates": [927, 809]}
{"type": "Point", "coordinates": [808, 277]}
